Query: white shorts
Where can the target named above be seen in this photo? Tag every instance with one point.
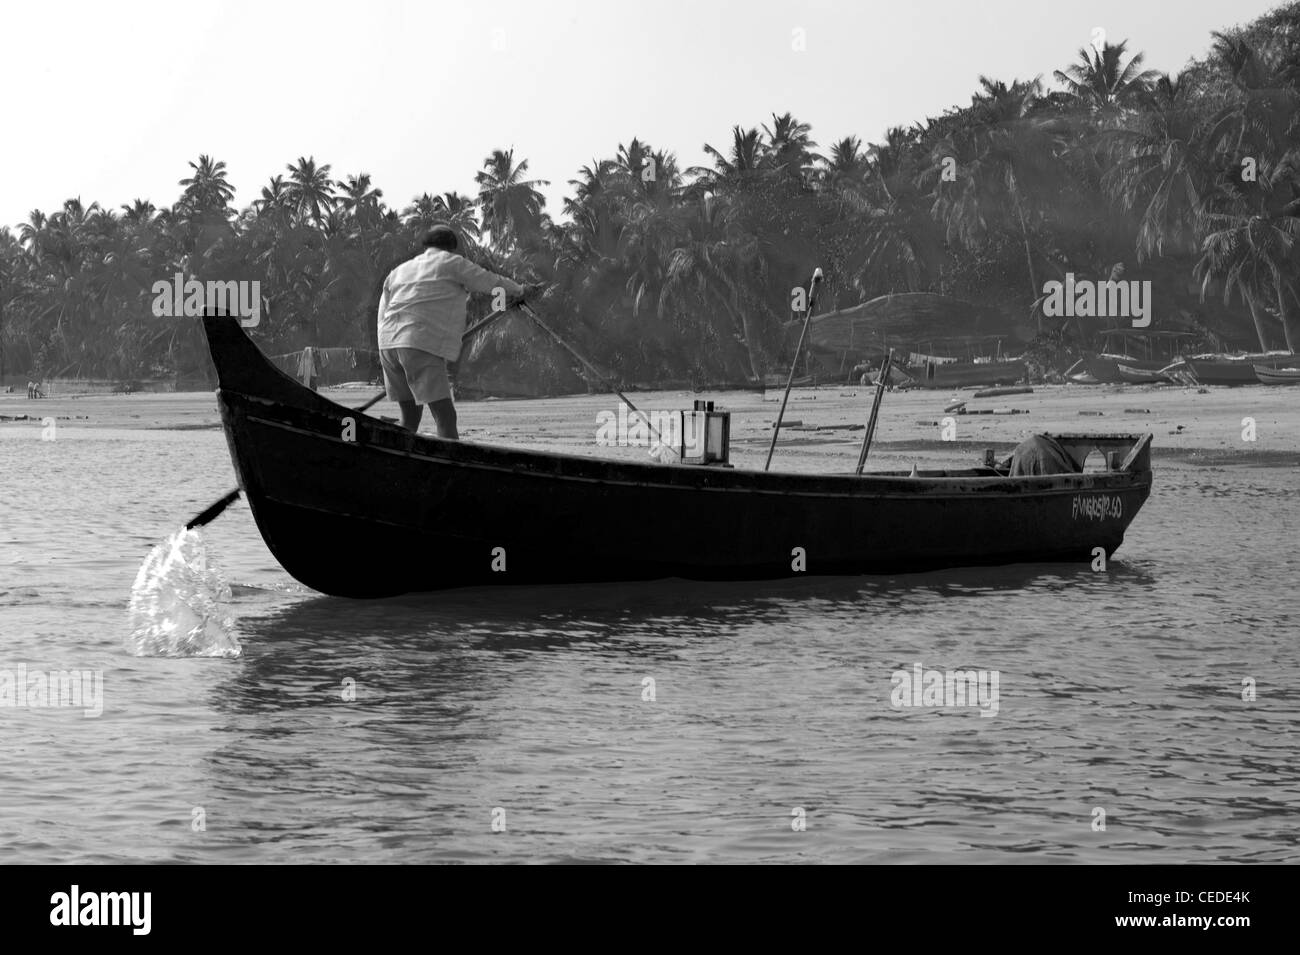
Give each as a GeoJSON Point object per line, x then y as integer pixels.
{"type": "Point", "coordinates": [414, 375]}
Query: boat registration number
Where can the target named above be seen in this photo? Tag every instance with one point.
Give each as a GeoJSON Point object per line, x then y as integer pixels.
{"type": "Point", "coordinates": [1096, 507]}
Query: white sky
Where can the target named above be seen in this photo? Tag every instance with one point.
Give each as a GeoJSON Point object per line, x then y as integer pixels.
{"type": "Point", "coordinates": [109, 101]}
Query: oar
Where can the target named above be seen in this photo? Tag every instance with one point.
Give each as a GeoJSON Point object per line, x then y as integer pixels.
{"type": "Point", "coordinates": [794, 363]}
{"type": "Point", "coordinates": [875, 409]}
{"type": "Point", "coordinates": [215, 510]}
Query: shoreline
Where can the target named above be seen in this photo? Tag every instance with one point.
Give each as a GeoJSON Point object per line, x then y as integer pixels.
{"type": "Point", "coordinates": [1204, 427]}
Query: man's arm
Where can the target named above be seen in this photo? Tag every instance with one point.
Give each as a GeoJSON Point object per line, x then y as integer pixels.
{"type": "Point", "coordinates": [481, 280]}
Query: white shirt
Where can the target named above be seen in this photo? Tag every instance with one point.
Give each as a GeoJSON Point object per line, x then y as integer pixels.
{"type": "Point", "coordinates": [423, 304]}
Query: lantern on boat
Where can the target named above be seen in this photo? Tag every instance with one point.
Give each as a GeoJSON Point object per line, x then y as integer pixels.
{"type": "Point", "coordinates": [704, 435]}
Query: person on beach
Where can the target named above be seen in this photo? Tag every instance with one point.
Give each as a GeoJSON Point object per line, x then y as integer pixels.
{"type": "Point", "coordinates": [308, 373]}
{"type": "Point", "coordinates": [421, 321]}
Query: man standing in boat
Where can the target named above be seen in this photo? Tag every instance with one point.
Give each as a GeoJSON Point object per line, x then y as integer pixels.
{"type": "Point", "coordinates": [421, 321]}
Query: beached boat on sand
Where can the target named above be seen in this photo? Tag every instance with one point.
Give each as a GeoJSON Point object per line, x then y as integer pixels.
{"type": "Point", "coordinates": [1140, 373]}
{"type": "Point", "coordinates": [1227, 370]}
{"type": "Point", "coordinates": [966, 374]}
{"type": "Point", "coordinates": [1277, 376]}
{"type": "Point", "coordinates": [1104, 368]}
{"type": "Point", "coordinates": [1116, 360]}
{"type": "Point", "coordinates": [354, 506]}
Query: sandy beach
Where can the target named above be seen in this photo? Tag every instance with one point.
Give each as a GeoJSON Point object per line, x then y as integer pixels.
{"type": "Point", "coordinates": [1196, 425]}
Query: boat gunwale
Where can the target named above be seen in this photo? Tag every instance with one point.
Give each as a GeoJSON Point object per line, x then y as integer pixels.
{"type": "Point", "coordinates": [543, 465]}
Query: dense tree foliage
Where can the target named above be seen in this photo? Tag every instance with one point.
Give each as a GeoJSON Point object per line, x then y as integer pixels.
{"type": "Point", "coordinates": [1192, 182]}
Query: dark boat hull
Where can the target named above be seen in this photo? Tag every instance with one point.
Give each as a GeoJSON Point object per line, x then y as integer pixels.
{"type": "Point", "coordinates": [1227, 371]}
{"type": "Point", "coordinates": [391, 512]}
{"type": "Point", "coordinates": [965, 374]}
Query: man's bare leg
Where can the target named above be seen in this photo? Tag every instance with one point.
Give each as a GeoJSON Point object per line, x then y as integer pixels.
{"type": "Point", "coordinates": [444, 415]}
{"type": "Point", "coordinates": [411, 414]}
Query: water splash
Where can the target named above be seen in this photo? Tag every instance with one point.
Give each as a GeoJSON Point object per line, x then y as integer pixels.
{"type": "Point", "coordinates": [176, 603]}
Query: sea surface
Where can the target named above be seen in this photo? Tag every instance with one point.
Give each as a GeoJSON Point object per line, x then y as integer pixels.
{"type": "Point", "coordinates": [1146, 713]}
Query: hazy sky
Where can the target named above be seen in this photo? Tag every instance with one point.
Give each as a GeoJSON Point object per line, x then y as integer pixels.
{"type": "Point", "coordinates": [109, 101]}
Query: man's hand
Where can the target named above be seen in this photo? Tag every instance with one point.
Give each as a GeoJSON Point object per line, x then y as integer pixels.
{"type": "Point", "coordinates": [530, 293]}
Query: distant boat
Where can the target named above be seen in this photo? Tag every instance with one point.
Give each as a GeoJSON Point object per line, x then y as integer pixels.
{"type": "Point", "coordinates": [1228, 370]}
{"type": "Point", "coordinates": [967, 374]}
{"type": "Point", "coordinates": [898, 378]}
{"type": "Point", "coordinates": [1118, 349]}
{"type": "Point", "coordinates": [1103, 369]}
{"type": "Point", "coordinates": [1277, 376]}
{"type": "Point", "coordinates": [1141, 372]}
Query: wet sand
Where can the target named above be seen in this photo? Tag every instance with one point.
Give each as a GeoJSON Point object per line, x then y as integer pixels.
{"type": "Point", "coordinates": [1200, 426]}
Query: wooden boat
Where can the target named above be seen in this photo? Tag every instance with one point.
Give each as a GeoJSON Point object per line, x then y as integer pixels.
{"type": "Point", "coordinates": [1277, 376]}
{"type": "Point", "coordinates": [1230, 370]}
{"type": "Point", "coordinates": [1116, 360]}
{"type": "Point", "coordinates": [354, 506]}
{"type": "Point", "coordinates": [1113, 369]}
{"type": "Point", "coordinates": [1097, 369]}
{"type": "Point", "coordinates": [966, 374]}
{"type": "Point", "coordinates": [898, 378]}
{"type": "Point", "coordinates": [1141, 372]}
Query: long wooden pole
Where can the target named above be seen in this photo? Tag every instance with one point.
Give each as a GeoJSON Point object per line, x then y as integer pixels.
{"type": "Point", "coordinates": [596, 372]}
{"type": "Point", "coordinates": [794, 363]}
{"type": "Point", "coordinates": [875, 409]}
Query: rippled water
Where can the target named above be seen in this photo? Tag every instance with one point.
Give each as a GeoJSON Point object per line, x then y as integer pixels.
{"type": "Point", "coordinates": [1120, 690]}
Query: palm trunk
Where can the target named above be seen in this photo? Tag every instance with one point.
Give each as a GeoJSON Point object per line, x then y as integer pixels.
{"type": "Point", "coordinates": [751, 354]}
{"type": "Point", "coordinates": [757, 360]}
{"type": "Point", "coordinates": [734, 358]}
{"type": "Point", "coordinates": [1258, 317]}
{"type": "Point", "coordinates": [1284, 311]}
{"type": "Point", "coordinates": [1034, 290]}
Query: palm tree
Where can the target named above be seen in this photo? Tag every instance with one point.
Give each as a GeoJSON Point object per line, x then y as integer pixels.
{"type": "Point", "coordinates": [206, 191]}
{"type": "Point", "coordinates": [275, 195]}
{"type": "Point", "coordinates": [422, 214]}
{"type": "Point", "coordinates": [736, 170]}
{"type": "Point", "coordinates": [460, 212]}
{"type": "Point", "coordinates": [310, 190]}
{"type": "Point", "coordinates": [1102, 81]}
{"type": "Point", "coordinates": [1264, 113]}
{"type": "Point", "coordinates": [359, 200]}
{"type": "Point", "coordinates": [10, 259]}
{"type": "Point", "coordinates": [846, 163]}
{"type": "Point", "coordinates": [1251, 244]}
{"type": "Point", "coordinates": [511, 204]}
{"type": "Point", "coordinates": [139, 212]}
{"type": "Point", "coordinates": [1163, 165]}
{"type": "Point", "coordinates": [32, 233]}
{"type": "Point", "coordinates": [1008, 160]}
{"type": "Point", "coordinates": [789, 147]}
{"type": "Point", "coordinates": [718, 265]}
